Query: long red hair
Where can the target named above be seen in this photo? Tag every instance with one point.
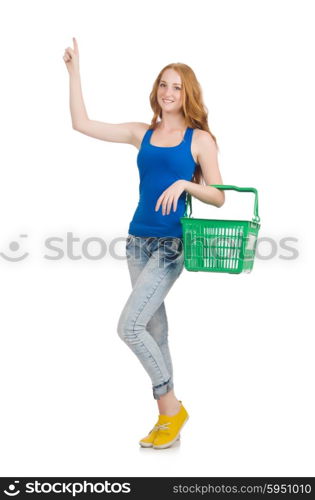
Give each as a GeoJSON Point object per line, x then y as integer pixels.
{"type": "Point", "coordinates": [194, 109]}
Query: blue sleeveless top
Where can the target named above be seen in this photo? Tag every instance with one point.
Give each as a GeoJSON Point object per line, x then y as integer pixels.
{"type": "Point", "coordinates": [158, 168]}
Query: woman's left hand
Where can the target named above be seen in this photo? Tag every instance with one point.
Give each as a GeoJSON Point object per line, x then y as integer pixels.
{"type": "Point", "coordinates": [170, 196]}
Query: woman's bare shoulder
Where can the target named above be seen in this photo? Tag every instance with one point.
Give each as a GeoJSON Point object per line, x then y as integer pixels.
{"type": "Point", "coordinates": [202, 139]}
{"type": "Point", "coordinates": [202, 135]}
{"type": "Point", "coordinates": [200, 143]}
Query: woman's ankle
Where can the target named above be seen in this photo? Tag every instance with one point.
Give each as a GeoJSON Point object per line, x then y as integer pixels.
{"type": "Point", "coordinates": [168, 404]}
{"type": "Point", "coordinates": [171, 411]}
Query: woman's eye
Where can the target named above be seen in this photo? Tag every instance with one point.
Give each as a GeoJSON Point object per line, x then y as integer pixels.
{"type": "Point", "coordinates": [163, 84]}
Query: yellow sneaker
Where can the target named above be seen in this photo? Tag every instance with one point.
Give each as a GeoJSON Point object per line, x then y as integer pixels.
{"type": "Point", "coordinates": [169, 428]}
{"type": "Point", "coordinates": [147, 441]}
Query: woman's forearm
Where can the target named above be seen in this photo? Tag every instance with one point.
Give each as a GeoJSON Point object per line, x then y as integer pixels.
{"type": "Point", "coordinates": [77, 107]}
{"type": "Point", "coordinates": [207, 194]}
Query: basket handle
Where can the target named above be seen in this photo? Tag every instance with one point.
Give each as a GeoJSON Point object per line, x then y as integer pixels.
{"type": "Point", "coordinates": [255, 218]}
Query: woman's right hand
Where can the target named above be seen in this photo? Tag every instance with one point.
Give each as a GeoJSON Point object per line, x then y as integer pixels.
{"type": "Point", "coordinates": [71, 58]}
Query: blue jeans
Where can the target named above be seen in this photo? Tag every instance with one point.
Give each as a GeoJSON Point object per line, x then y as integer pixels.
{"type": "Point", "coordinates": [154, 265]}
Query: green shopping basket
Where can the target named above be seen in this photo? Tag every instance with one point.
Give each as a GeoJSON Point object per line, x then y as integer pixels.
{"type": "Point", "coordinates": [224, 246]}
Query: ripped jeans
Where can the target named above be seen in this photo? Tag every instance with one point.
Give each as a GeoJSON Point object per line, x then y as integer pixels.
{"type": "Point", "coordinates": [154, 265]}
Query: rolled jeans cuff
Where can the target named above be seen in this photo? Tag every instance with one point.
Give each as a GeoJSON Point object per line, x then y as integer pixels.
{"type": "Point", "coordinates": [162, 389]}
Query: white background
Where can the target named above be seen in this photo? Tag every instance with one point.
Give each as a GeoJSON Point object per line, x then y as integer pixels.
{"type": "Point", "coordinates": [75, 399]}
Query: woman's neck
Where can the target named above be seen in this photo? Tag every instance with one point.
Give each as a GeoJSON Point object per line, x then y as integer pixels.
{"type": "Point", "coordinates": [171, 124]}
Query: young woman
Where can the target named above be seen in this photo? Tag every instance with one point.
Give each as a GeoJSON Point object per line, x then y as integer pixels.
{"type": "Point", "coordinates": [177, 155]}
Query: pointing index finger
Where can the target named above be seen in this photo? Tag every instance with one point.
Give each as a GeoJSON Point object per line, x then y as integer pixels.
{"type": "Point", "coordinates": [75, 43]}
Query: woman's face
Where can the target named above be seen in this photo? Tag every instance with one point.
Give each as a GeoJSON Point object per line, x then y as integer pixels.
{"type": "Point", "coordinates": [169, 94]}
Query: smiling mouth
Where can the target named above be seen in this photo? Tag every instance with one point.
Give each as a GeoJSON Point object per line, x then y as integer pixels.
{"type": "Point", "coordinates": [167, 101]}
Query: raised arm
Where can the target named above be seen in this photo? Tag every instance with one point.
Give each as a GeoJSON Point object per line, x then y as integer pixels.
{"type": "Point", "coordinates": [128, 133]}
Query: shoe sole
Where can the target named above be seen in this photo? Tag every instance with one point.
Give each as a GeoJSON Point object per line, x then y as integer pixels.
{"type": "Point", "coordinates": [167, 445]}
{"type": "Point", "coordinates": [145, 445]}
{"type": "Point", "coordinates": [150, 445]}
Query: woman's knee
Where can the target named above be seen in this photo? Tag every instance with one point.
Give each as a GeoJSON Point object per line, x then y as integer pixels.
{"type": "Point", "coordinates": [127, 329]}
{"type": "Point", "coordinates": [122, 329]}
